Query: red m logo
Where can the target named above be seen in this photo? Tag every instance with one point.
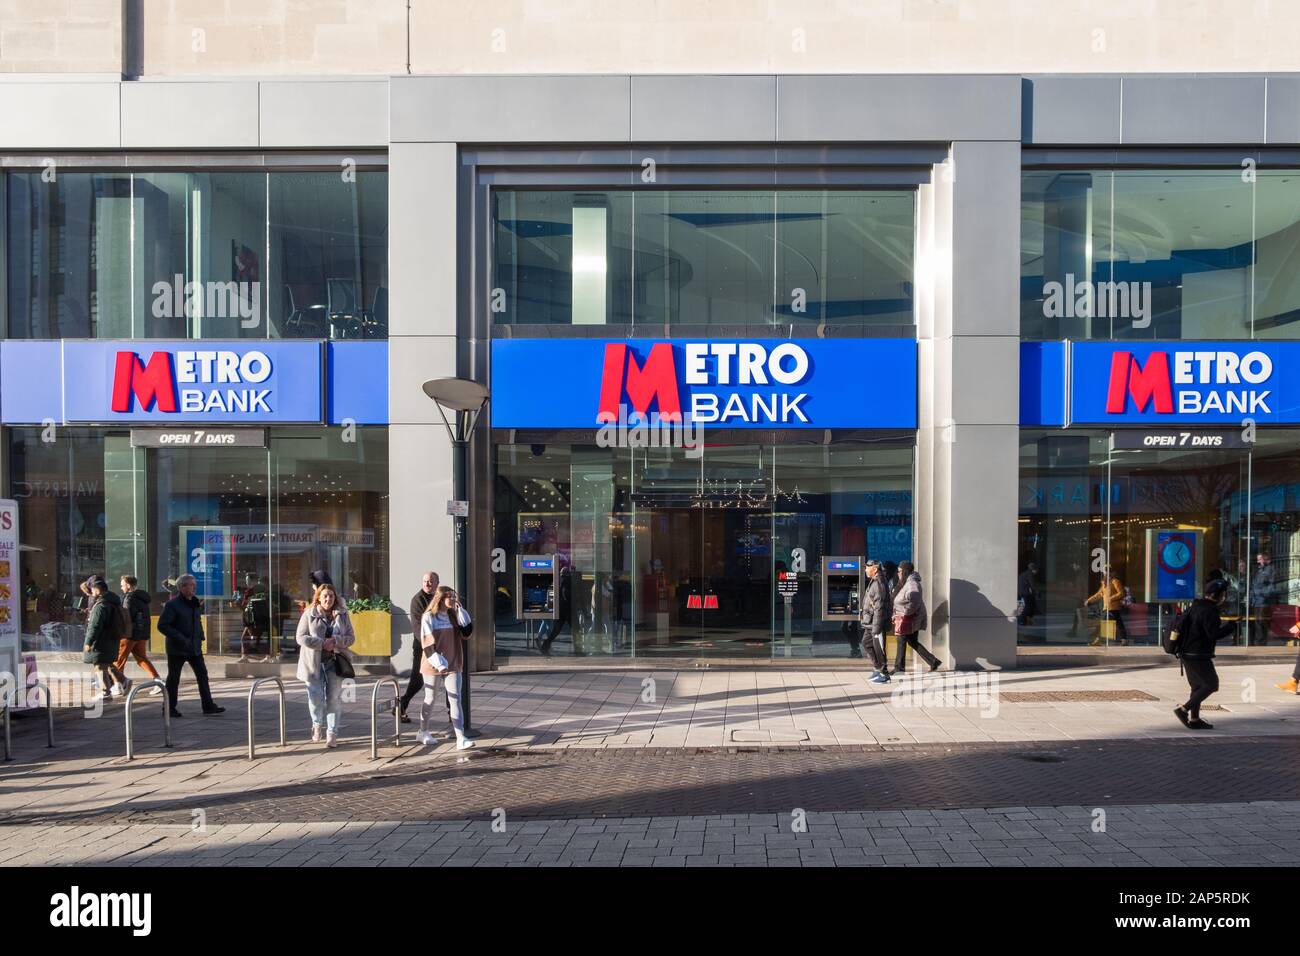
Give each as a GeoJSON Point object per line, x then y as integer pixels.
{"type": "Point", "coordinates": [655, 380]}
{"type": "Point", "coordinates": [1144, 384]}
{"type": "Point", "coordinates": [148, 383]}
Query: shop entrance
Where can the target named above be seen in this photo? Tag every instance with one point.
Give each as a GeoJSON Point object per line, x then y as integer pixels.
{"type": "Point", "coordinates": [665, 552]}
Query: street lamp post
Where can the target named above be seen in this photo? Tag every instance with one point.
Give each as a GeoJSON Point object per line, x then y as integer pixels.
{"type": "Point", "coordinates": [464, 400]}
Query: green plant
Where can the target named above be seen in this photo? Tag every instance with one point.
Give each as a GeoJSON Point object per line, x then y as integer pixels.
{"type": "Point", "coordinates": [376, 603]}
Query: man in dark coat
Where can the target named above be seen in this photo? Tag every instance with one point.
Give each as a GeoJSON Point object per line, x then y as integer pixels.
{"type": "Point", "coordinates": [182, 624]}
{"type": "Point", "coordinates": [1199, 632]}
{"type": "Point", "coordinates": [419, 603]}
{"type": "Point", "coordinates": [103, 635]}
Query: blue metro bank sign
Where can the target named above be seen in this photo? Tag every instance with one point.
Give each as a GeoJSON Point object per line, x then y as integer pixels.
{"type": "Point", "coordinates": [226, 382]}
{"type": "Point", "coordinates": [722, 383]}
{"type": "Point", "coordinates": [1185, 382]}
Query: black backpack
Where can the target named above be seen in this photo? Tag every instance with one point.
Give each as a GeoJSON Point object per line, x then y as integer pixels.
{"type": "Point", "coordinates": [1169, 635]}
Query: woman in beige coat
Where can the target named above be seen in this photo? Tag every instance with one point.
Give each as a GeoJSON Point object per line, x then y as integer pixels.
{"type": "Point", "coordinates": [324, 634]}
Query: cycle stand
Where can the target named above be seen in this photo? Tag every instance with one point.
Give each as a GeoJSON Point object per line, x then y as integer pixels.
{"type": "Point", "coordinates": [252, 692]}
{"type": "Point", "coordinates": [167, 713]}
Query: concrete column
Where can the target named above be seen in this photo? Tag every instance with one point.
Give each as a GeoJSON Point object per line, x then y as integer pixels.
{"type": "Point", "coordinates": [421, 346]}
{"type": "Point", "coordinates": [968, 255]}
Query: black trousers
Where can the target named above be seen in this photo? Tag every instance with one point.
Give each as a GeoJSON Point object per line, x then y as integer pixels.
{"type": "Point", "coordinates": [552, 629]}
{"type": "Point", "coordinates": [415, 683]}
{"type": "Point", "coordinates": [912, 640]}
{"type": "Point", "coordinates": [1203, 679]}
{"type": "Point", "coordinates": [875, 646]}
{"type": "Point", "coordinates": [174, 664]}
{"type": "Point", "coordinates": [1295, 674]}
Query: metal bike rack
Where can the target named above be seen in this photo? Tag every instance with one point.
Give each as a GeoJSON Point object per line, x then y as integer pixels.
{"type": "Point", "coordinates": [374, 715]}
{"type": "Point", "coordinates": [252, 691]}
{"type": "Point", "coordinates": [7, 701]}
{"type": "Point", "coordinates": [167, 713]}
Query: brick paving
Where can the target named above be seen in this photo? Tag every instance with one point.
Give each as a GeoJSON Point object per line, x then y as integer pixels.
{"type": "Point", "coordinates": [1229, 834]}
{"type": "Point", "coordinates": [586, 754]}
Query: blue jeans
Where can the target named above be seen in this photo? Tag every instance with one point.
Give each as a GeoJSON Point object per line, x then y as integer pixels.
{"type": "Point", "coordinates": [324, 701]}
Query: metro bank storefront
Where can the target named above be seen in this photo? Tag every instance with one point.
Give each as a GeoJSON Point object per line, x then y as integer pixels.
{"type": "Point", "coordinates": [736, 330]}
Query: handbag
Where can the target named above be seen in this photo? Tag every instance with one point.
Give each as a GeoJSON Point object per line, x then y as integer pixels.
{"type": "Point", "coordinates": [343, 667]}
{"type": "Point", "coordinates": [905, 623]}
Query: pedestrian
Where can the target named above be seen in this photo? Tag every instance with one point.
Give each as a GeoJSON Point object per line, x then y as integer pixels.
{"type": "Point", "coordinates": [1198, 632]}
{"type": "Point", "coordinates": [255, 614]}
{"type": "Point", "coordinates": [104, 632]}
{"type": "Point", "coordinates": [1111, 595]}
{"type": "Point", "coordinates": [1292, 686]}
{"type": "Point", "coordinates": [1263, 595]}
{"type": "Point", "coordinates": [550, 630]}
{"type": "Point", "coordinates": [324, 635]}
{"type": "Point", "coordinates": [1027, 595]}
{"type": "Point", "coordinates": [910, 618]}
{"type": "Point", "coordinates": [442, 638]}
{"type": "Point", "coordinates": [877, 609]}
{"type": "Point", "coordinates": [419, 604]}
{"type": "Point", "coordinates": [136, 643]}
{"type": "Point", "coordinates": [181, 622]}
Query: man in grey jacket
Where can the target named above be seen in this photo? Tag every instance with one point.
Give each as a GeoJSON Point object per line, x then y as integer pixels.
{"type": "Point", "coordinates": [876, 611]}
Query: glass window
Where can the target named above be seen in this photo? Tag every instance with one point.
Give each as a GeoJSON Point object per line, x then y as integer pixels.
{"type": "Point", "coordinates": [700, 262]}
{"type": "Point", "coordinates": [1139, 254]}
{"type": "Point", "coordinates": [250, 523]}
{"type": "Point", "coordinates": [201, 255]}
{"type": "Point", "coordinates": [669, 552]}
{"type": "Point", "coordinates": [1086, 508]}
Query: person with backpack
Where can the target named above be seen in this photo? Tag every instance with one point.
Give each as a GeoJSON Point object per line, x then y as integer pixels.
{"type": "Point", "coordinates": [877, 608]}
{"type": "Point", "coordinates": [1193, 637]}
{"type": "Point", "coordinates": [105, 627]}
{"type": "Point", "coordinates": [910, 618]}
{"type": "Point", "coordinates": [136, 640]}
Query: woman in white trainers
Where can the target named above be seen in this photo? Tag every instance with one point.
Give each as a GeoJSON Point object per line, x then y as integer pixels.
{"type": "Point", "coordinates": [324, 634]}
{"type": "Point", "coordinates": [443, 631]}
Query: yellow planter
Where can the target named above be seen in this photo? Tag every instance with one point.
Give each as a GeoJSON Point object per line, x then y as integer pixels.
{"type": "Point", "coordinates": [374, 631]}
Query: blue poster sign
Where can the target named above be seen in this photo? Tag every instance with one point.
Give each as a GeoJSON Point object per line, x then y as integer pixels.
{"type": "Point", "coordinates": [721, 383]}
{"type": "Point", "coordinates": [206, 554]}
{"type": "Point", "coordinates": [1173, 564]}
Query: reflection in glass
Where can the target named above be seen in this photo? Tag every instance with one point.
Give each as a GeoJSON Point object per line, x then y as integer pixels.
{"type": "Point", "coordinates": [251, 523]}
{"type": "Point", "coordinates": [671, 554]}
{"type": "Point", "coordinates": [185, 255]}
{"type": "Point", "coordinates": [694, 262]}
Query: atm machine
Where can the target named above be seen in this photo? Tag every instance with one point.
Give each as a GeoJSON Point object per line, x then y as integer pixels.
{"type": "Point", "coordinates": [842, 588]}
{"type": "Point", "coordinates": [537, 587]}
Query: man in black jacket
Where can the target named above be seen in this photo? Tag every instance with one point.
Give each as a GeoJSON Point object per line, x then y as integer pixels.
{"type": "Point", "coordinates": [419, 604]}
{"type": "Point", "coordinates": [182, 624]}
{"type": "Point", "coordinates": [1199, 631]}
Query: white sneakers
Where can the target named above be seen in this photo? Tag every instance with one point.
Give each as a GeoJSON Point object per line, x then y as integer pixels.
{"type": "Point", "coordinates": [464, 743]}
{"type": "Point", "coordinates": [115, 690]}
{"type": "Point", "coordinates": [156, 692]}
{"type": "Point", "coordinates": [331, 740]}
{"type": "Point", "coordinates": [316, 733]}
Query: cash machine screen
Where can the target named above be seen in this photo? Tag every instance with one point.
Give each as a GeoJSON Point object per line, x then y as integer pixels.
{"type": "Point", "coordinates": [536, 598]}
{"type": "Point", "coordinates": [840, 599]}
